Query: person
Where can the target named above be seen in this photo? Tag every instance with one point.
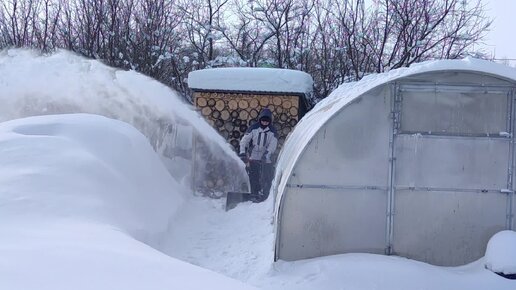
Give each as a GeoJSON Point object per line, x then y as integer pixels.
{"type": "Point", "coordinates": [256, 150]}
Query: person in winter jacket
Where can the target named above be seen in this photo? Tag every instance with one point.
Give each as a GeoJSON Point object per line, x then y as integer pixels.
{"type": "Point", "coordinates": [256, 149]}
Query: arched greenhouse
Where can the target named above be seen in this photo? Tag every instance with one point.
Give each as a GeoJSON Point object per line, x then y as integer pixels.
{"type": "Point", "coordinates": [417, 162]}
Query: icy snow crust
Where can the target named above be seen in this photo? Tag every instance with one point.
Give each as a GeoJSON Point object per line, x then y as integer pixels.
{"type": "Point", "coordinates": [315, 119]}
{"type": "Point", "coordinates": [251, 79]}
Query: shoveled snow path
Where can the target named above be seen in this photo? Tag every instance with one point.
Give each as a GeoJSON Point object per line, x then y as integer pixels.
{"type": "Point", "coordinates": [237, 243]}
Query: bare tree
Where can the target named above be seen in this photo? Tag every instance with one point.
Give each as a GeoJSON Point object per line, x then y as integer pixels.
{"type": "Point", "coordinates": [202, 22]}
{"type": "Point", "coordinates": [45, 25]}
{"type": "Point", "coordinates": [334, 40]}
{"type": "Point", "coordinates": [18, 19]}
{"type": "Point", "coordinates": [244, 35]}
{"type": "Point", "coordinates": [328, 61]}
{"type": "Point", "coordinates": [418, 30]}
{"type": "Point", "coordinates": [390, 34]}
{"type": "Point", "coordinates": [284, 22]}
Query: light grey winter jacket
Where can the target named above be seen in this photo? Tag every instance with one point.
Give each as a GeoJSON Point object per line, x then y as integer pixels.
{"type": "Point", "coordinates": [261, 142]}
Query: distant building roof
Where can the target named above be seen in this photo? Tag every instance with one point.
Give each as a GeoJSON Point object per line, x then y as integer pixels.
{"type": "Point", "coordinates": [251, 80]}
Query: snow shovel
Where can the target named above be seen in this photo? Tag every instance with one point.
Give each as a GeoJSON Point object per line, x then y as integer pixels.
{"type": "Point", "coordinates": [233, 198]}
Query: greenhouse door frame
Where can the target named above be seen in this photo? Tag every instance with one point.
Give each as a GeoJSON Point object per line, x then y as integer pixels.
{"type": "Point", "coordinates": [397, 132]}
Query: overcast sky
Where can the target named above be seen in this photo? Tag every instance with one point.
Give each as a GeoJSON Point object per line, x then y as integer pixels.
{"type": "Point", "coordinates": [501, 40]}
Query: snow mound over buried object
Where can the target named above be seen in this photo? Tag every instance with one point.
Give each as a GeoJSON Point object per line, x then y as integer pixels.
{"type": "Point", "coordinates": [501, 253]}
{"type": "Point", "coordinates": [86, 167]}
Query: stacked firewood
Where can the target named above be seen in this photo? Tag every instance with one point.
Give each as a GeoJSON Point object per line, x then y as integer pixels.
{"type": "Point", "coordinates": [231, 114]}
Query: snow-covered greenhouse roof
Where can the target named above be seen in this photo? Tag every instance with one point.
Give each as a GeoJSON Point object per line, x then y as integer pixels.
{"type": "Point", "coordinates": [346, 93]}
{"type": "Point", "coordinates": [245, 79]}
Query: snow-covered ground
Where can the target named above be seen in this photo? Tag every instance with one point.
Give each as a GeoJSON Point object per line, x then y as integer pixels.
{"type": "Point", "coordinates": [86, 203]}
{"type": "Point", "coordinates": [83, 201]}
{"type": "Point", "coordinates": [239, 244]}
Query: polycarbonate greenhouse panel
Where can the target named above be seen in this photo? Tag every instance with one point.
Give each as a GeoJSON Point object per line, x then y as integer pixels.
{"type": "Point", "coordinates": [446, 228]}
{"type": "Point", "coordinates": [351, 149]}
{"type": "Point", "coordinates": [447, 76]}
{"type": "Point", "coordinates": [445, 162]}
{"type": "Point", "coordinates": [317, 222]}
{"type": "Point", "coordinates": [456, 110]}
{"type": "Point", "coordinates": [436, 193]}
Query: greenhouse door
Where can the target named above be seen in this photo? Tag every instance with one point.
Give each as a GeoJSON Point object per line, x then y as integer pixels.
{"type": "Point", "coordinates": [451, 174]}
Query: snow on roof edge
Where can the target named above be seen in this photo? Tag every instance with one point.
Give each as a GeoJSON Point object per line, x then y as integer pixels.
{"type": "Point", "coordinates": [252, 80]}
{"type": "Point", "coordinates": [315, 119]}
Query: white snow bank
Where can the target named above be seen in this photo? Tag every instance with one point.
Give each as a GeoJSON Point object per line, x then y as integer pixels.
{"type": "Point", "coordinates": [251, 79]}
{"type": "Point", "coordinates": [375, 272]}
{"type": "Point", "coordinates": [88, 167]}
{"type": "Point", "coordinates": [78, 195]}
{"type": "Point", "coordinates": [69, 254]}
{"type": "Point", "coordinates": [501, 253]}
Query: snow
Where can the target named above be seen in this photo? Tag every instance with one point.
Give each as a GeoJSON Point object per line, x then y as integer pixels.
{"type": "Point", "coordinates": [83, 199]}
{"type": "Point", "coordinates": [57, 154]}
{"type": "Point", "coordinates": [87, 203]}
{"type": "Point", "coordinates": [40, 84]}
{"type": "Point", "coordinates": [251, 79]}
{"type": "Point", "coordinates": [501, 253]}
{"type": "Point", "coordinates": [238, 243]}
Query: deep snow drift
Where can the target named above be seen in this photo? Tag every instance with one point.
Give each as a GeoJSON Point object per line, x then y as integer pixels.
{"type": "Point", "coordinates": [78, 196]}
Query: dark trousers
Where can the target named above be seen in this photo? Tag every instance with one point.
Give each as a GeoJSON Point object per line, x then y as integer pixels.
{"type": "Point", "coordinates": [260, 177]}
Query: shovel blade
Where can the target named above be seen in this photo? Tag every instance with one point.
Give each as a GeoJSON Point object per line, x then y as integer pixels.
{"type": "Point", "coordinates": [234, 198]}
